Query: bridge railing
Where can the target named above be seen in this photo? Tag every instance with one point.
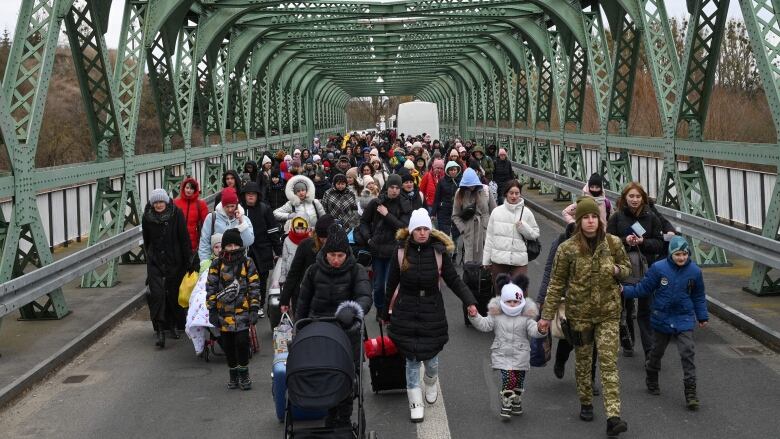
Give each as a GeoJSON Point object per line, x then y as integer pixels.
{"type": "Point", "coordinates": [68, 210]}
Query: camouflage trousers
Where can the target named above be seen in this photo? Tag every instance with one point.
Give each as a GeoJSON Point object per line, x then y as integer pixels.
{"type": "Point", "coordinates": [606, 337]}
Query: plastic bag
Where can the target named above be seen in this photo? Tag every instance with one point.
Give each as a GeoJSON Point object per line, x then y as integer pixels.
{"type": "Point", "coordinates": [185, 289]}
{"type": "Point", "coordinates": [283, 334]}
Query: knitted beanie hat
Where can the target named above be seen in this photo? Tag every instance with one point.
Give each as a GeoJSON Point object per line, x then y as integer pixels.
{"type": "Point", "coordinates": [337, 240]}
{"type": "Point", "coordinates": [216, 239]}
{"type": "Point", "coordinates": [420, 218]}
{"type": "Point", "coordinates": [678, 244]}
{"type": "Point", "coordinates": [229, 196]}
{"type": "Point", "coordinates": [394, 180]}
{"type": "Point", "coordinates": [231, 236]}
{"type": "Point", "coordinates": [586, 205]}
{"type": "Point", "coordinates": [321, 228]}
{"type": "Point", "coordinates": [158, 195]}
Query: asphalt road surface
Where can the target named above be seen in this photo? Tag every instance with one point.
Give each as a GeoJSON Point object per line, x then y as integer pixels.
{"type": "Point", "coordinates": [123, 387]}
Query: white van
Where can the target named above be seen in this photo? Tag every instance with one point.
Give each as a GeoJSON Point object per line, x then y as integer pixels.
{"type": "Point", "coordinates": [417, 117]}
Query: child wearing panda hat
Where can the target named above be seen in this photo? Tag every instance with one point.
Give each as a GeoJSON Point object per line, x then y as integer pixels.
{"type": "Point", "coordinates": [512, 317]}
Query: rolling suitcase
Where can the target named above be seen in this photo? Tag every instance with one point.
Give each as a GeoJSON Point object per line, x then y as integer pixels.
{"type": "Point", "coordinates": [388, 371]}
{"type": "Point", "coordinates": [279, 390]}
{"type": "Point", "coordinates": [273, 312]}
{"type": "Point", "coordinates": [479, 281]}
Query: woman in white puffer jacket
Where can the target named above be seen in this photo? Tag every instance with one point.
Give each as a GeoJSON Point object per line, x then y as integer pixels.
{"type": "Point", "coordinates": [510, 225]}
{"type": "Point", "coordinates": [301, 202]}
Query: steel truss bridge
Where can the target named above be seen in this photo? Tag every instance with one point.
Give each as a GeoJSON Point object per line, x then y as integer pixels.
{"type": "Point", "coordinates": [258, 75]}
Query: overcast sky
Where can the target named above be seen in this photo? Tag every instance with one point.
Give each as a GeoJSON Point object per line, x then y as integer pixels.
{"type": "Point", "coordinates": [675, 8]}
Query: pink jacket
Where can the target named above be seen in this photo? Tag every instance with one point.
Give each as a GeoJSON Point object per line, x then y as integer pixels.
{"type": "Point", "coordinates": [604, 206]}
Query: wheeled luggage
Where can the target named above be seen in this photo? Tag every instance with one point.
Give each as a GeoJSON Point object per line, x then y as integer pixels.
{"type": "Point", "coordinates": [279, 390]}
{"type": "Point", "coordinates": [479, 281]}
{"type": "Point", "coordinates": [387, 367]}
{"type": "Point", "coordinates": [273, 311]}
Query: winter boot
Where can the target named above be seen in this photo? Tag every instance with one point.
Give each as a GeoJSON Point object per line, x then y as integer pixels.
{"type": "Point", "coordinates": [559, 368]}
{"type": "Point", "coordinates": [233, 383]}
{"type": "Point", "coordinates": [160, 339]}
{"type": "Point", "coordinates": [517, 402]}
{"type": "Point", "coordinates": [416, 406]}
{"type": "Point", "coordinates": [691, 400]}
{"type": "Point", "coordinates": [244, 382]}
{"type": "Point", "coordinates": [431, 388]}
{"type": "Point", "coordinates": [651, 380]}
{"type": "Point", "coordinates": [586, 412]}
{"type": "Point", "coordinates": [615, 426]}
{"type": "Point", "coordinates": [506, 404]}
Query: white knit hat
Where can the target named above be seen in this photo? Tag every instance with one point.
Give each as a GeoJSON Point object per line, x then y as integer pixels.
{"type": "Point", "coordinates": [266, 159]}
{"type": "Point", "coordinates": [216, 239]}
{"type": "Point", "coordinates": [511, 291]}
{"type": "Point", "coordinates": [316, 158]}
{"type": "Point", "coordinates": [297, 152]}
{"type": "Point", "coordinates": [159, 195]}
{"type": "Point", "coordinates": [417, 145]}
{"type": "Point", "coordinates": [420, 218]}
{"type": "Point", "coordinates": [409, 165]}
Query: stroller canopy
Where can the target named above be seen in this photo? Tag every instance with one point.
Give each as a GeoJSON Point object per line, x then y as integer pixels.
{"type": "Point", "coordinates": [320, 369]}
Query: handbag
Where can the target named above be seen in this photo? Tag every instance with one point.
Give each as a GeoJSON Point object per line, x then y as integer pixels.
{"type": "Point", "coordinates": [541, 350]}
{"type": "Point", "coordinates": [532, 247]}
{"type": "Point", "coordinates": [558, 322]}
{"type": "Point", "coordinates": [638, 267]}
{"type": "Point", "coordinates": [468, 212]}
{"type": "Point", "coordinates": [186, 287]}
{"type": "Point", "coordinates": [283, 334]}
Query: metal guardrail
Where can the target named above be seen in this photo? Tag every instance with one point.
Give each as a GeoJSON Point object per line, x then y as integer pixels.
{"type": "Point", "coordinates": [743, 243]}
{"type": "Point", "coordinates": [24, 289]}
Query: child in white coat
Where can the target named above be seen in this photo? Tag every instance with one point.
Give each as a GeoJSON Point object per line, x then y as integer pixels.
{"type": "Point", "coordinates": [512, 318]}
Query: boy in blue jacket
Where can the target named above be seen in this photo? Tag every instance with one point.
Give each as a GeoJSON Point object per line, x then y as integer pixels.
{"type": "Point", "coordinates": [679, 303]}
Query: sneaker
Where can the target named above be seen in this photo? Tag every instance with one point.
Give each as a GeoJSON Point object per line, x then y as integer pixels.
{"type": "Point", "coordinates": [261, 313]}
{"type": "Point", "coordinates": [586, 412]}
{"type": "Point", "coordinates": [615, 426]}
{"type": "Point", "coordinates": [517, 403]}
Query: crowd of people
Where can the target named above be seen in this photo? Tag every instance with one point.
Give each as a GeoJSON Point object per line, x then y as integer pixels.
{"type": "Point", "coordinates": [422, 209]}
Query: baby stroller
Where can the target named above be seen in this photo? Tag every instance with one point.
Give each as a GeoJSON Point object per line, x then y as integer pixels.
{"type": "Point", "coordinates": [321, 374]}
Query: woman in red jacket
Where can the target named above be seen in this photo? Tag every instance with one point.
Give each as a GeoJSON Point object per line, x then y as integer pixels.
{"type": "Point", "coordinates": [194, 209]}
{"type": "Point", "coordinates": [429, 182]}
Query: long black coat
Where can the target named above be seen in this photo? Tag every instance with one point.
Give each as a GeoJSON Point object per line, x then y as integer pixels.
{"type": "Point", "coordinates": [325, 287]}
{"type": "Point", "coordinates": [166, 242]}
{"type": "Point", "coordinates": [418, 324]}
{"type": "Point", "coordinates": [444, 199]}
{"type": "Point", "coordinates": [653, 246]}
{"type": "Point", "coordinates": [305, 256]}
{"type": "Point", "coordinates": [267, 236]}
{"type": "Point", "coordinates": [502, 173]}
{"type": "Point", "coordinates": [382, 229]}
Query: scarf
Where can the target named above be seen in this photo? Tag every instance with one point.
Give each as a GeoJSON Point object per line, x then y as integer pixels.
{"type": "Point", "coordinates": [296, 237]}
{"type": "Point", "coordinates": [161, 217]}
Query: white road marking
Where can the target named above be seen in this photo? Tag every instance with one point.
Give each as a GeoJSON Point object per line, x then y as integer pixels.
{"type": "Point", "coordinates": [435, 425]}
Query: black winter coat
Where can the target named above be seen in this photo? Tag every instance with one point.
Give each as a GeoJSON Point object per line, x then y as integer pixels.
{"type": "Point", "coordinates": [382, 229]}
{"type": "Point", "coordinates": [320, 187]}
{"type": "Point", "coordinates": [502, 173]}
{"type": "Point", "coordinates": [305, 256]}
{"type": "Point", "coordinates": [166, 242]}
{"type": "Point", "coordinates": [445, 198]}
{"type": "Point", "coordinates": [276, 197]}
{"type": "Point", "coordinates": [418, 323]}
{"type": "Point", "coordinates": [324, 288]}
{"type": "Point", "coordinates": [268, 236]}
{"type": "Point", "coordinates": [653, 246]}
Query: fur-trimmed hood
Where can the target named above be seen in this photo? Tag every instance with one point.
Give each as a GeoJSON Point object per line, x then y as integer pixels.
{"type": "Point", "coordinates": [530, 310]}
{"type": "Point", "coordinates": [436, 235]}
{"type": "Point", "coordinates": [310, 189]}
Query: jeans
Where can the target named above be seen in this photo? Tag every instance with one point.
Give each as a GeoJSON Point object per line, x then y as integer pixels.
{"type": "Point", "coordinates": [381, 267]}
{"type": "Point", "coordinates": [413, 371]}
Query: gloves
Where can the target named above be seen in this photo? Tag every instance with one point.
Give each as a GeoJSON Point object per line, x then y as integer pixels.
{"type": "Point", "coordinates": [214, 318]}
{"type": "Point", "coordinates": [346, 316]}
{"type": "Point", "coordinates": [253, 316]}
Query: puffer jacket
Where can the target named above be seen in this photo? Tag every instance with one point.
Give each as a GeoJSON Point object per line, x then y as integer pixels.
{"type": "Point", "coordinates": [310, 208]}
{"type": "Point", "coordinates": [325, 287]}
{"type": "Point", "coordinates": [679, 300]}
{"type": "Point", "coordinates": [194, 209]}
{"type": "Point", "coordinates": [382, 229]}
{"type": "Point", "coordinates": [233, 316]}
{"type": "Point", "coordinates": [221, 222]}
{"type": "Point", "coordinates": [511, 348]}
{"type": "Point", "coordinates": [504, 242]}
{"type": "Point", "coordinates": [276, 196]}
{"type": "Point", "coordinates": [418, 323]}
{"type": "Point", "coordinates": [592, 289]}
{"type": "Point", "coordinates": [428, 187]}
